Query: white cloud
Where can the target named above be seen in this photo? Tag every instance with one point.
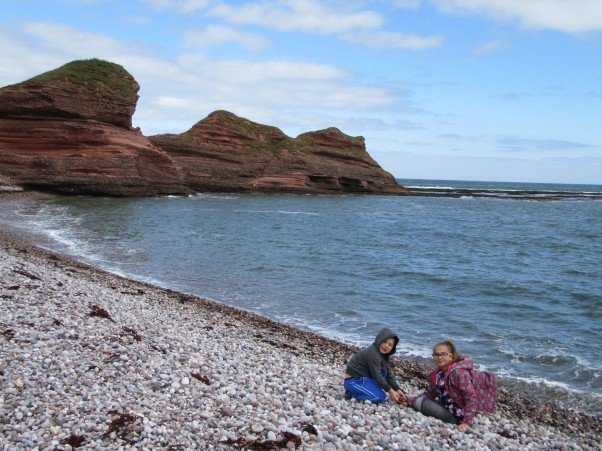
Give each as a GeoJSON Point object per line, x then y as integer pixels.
{"type": "Point", "coordinates": [383, 39]}
{"type": "Point", "coordinates": [215, 34]}
{"type": "Point", "coordinates": [249, 72]}
{"type": "Point", "coordinates": [174, 96]}
{"type": "Point", "coordinates": [280, 84]}
{"type": "Point", "coordinates": [489, 48]}
{"type": "Point", "coordinates": [186, 6]}
{"type": "Point", "coordinates": [189, 6]}
{"type": "Point", "coordinates": [174, 103]}
{"type": "Point", "coordinates": [161, 5]}
{"type": "Point", "coordinates": [177, 93]}
{"type": "Point", "coordinates": [21, 60]}
{"type": "Point", "coordinates": [571, 16]}
{"type": "Point", "coordinates": [76, 43]}
{"type": "Point", "coordinates": [309, 16]}
{"type": "Point", "coordinates": [297, 15]}
{"type": "Point", "coordinates": [42, 46]}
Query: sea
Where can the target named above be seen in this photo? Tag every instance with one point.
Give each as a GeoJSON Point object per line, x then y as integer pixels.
{"type": "Point", "coordinates": [512, 272]}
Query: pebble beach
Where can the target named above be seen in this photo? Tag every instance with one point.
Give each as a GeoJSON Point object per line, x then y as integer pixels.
{"type": "Point", "coordinates": [92, 360]}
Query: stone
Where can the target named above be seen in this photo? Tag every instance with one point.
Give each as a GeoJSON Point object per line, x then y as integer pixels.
{"type": "Point", "coordinates": [227, 411]}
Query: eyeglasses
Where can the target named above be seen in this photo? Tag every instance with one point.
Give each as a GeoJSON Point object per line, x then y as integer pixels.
{"type": "Point", "coordinates": [443, 355]}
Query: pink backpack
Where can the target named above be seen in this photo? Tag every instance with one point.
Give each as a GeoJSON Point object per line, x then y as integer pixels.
{"type": "Point", "coordinates": [485, 385]}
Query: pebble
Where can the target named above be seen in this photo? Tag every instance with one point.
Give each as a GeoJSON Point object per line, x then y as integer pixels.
{"type": "Point", "coordinates": [227, 411]}
{"type": "Point", "coordinates": [68, 373]}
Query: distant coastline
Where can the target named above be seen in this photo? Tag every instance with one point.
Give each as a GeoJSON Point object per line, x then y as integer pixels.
{"type": "Point", "coordinates": [502, 190]}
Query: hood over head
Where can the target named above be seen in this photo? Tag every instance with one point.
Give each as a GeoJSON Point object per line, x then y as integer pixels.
{"type": "Point", "coordinates": [385, 334]}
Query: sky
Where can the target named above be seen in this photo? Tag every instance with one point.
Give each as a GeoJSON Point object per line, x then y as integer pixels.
{"type": "Point", "coordinates": [492, 90]}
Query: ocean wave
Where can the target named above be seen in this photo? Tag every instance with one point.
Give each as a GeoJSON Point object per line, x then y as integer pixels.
{"type": "Point", "coordinates": [213, 196]}
{"type": "Point", "coordinates": [282, 212]}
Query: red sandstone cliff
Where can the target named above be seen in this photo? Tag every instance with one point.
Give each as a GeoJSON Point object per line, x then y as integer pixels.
{"type": "Point", "coordinates": [224, 152]}
{"type": "Point", "coordinates": [69, 131]}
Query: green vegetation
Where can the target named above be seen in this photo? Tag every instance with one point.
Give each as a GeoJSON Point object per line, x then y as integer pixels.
{"type": "Point", "coordinates": [334, 132]}
{"type": "Point", "coordinates": [261, 137]}
{"type": "Point", "coordinates": [245, 125]}
{"type": "Point", "coordinates": [358, 140]}
{"type": "Point", "coordinates": [275, 146]}
{"type": "Point", "coordinates": [95, 74]}
{"type": "Point", "coordinates": [187, 135]}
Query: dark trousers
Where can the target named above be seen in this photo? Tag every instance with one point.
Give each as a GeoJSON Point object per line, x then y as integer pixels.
{"type": "Point", "coordinates": [434, 409]}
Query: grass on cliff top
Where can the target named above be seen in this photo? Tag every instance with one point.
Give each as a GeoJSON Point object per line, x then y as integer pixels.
{"type": "Point", "coordinates": [277, 142]}
{"type": "Point", "coordinates": [250, 127]}
{"type": "Point", "coordinates": [333, 131]}
{"type": "Point", "coordinates": [286, 143]}
{"type": "Point", "coordinates": [271, 139]}
{"type": "Point", "coordinates": [95, 74]}
{"type": "Point", "coordinates": [336, 134]}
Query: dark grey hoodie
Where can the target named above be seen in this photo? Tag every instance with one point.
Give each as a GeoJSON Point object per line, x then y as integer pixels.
{"type": "Point", "coordinates": [370, 362]}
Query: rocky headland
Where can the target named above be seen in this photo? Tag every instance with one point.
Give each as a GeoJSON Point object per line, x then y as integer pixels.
{"type": "Point", "coordinates": [70, 131]}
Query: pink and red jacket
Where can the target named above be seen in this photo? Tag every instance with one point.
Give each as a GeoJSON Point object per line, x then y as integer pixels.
{"type": "Point", "coordinates": [471, 390]}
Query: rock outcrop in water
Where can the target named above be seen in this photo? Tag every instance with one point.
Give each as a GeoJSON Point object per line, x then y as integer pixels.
{"type": "Point", "coordinates": [70, 131]}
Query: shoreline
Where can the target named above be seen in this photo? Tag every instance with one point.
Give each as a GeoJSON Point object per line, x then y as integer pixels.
{"type": "Point", "coordinates": [163, 368]}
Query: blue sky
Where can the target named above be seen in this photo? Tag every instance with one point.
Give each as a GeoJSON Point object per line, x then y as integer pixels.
{"type": "Point", "coordinates": [500, 90]}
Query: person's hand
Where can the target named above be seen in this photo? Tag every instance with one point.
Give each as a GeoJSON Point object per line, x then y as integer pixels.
{"type": "Point", "coordinates": [402, 398]}
{"type": "Point", "coordinates": [397, 396]}
{"type": "Point", "coordinates": [393, 395]}
{"type": "Point", "coordinates": [463, 426]}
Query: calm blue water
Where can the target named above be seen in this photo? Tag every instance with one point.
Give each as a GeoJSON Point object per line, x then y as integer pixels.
{"type": "Point", "coordinates": [516, 283]}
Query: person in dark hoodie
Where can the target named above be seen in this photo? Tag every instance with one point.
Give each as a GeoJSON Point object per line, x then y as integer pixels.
{"type": "Point", "coordinates": [368, 376]}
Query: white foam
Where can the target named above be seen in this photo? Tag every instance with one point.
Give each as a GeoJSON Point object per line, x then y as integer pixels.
{"type": "Point", "coordinates": [427, 187]}
{"type": "Point", "coordinates": [7, 188]}
{"type": "Point", "coordinates": [414, 350]}
{"type": "Point", "coordinates": [533, 380]}
{"type": "Point", "coordinates": [283, 212]}
{"type": "Point", "coordinates": [213, 196]}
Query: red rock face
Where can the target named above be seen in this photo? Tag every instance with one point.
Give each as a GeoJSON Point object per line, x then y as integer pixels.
{"type": "Point", "coordinates": [69, 131]}
{"type": "Point", "coordinates": [80, 157]}
{"type": "Point", "coordinates": [224, 152]}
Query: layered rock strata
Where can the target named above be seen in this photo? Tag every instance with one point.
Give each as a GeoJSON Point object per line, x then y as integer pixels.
{"type": "Point", "coordinates": [70, 131]}
{"type": "Point", "coordinates": [224, 152]}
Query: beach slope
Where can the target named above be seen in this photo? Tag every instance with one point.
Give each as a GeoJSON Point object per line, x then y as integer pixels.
{"type": "Point", "coordinates": [92, 360]}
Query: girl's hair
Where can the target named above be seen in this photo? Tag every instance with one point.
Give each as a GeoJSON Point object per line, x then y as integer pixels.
{"type": "Point", "coordinates": [456, 357]}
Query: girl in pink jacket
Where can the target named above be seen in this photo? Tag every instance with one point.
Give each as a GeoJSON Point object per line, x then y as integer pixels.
{"type": "Point", "coordinates": [456, 391]}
